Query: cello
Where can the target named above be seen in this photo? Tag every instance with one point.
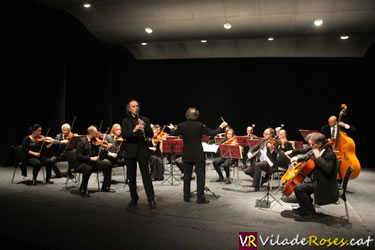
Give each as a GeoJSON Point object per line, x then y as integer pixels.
{"type": "Point", "coordinates": [344, 149]}
{"type": "Point", "coordinates": [299, 172]}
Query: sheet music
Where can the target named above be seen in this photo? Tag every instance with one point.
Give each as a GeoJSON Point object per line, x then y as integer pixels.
{"type": "Point", "coordinates": [210, 148]}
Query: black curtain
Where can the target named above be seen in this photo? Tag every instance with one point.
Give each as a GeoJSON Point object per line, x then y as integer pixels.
{"type": "Point", "coordinates": [56, 70]}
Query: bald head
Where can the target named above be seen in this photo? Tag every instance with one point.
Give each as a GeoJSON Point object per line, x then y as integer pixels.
{"type": "Point", "coordinates": [332, 121]}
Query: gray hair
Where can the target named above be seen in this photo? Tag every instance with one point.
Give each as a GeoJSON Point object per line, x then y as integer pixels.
{"type": "Point", "coordinates": [318, 138]}
{"type": "Point", "coordinates": [65, 125]}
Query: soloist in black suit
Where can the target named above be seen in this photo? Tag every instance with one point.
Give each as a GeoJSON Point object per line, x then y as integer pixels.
{"type": "Point", "coordinates": [136, 150]}
{"type": "Point", "coordinates": [193, 154]}
{"type": "Point", "coordinates": [85, 151]}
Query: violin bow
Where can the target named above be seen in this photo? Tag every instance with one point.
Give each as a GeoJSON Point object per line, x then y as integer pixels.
{"type": "Point", "coordinates": [44, 141]}
{"type": "Point", "coordinates": [71, 128]}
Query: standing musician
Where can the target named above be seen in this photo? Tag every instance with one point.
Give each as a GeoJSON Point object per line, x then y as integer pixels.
{"type": "Point", "coordinates": [230, 139]}
{"type": "Point", "coordinates": [330, 130]}
{"type": "Point", "coordinates": [249, 133]}
{"type": "Point", "coordinates": [136, 131]}
{"type": "Point", "coordinates": [269, 149]}
{"type": "Point", "coordinates": [193, 155]}
{"type": "Point", "coordinates": [89, 161]}
{"type": "Point", "coordinates": [324, 183]}
{"type": "Point", "coordinates": [32, 147]}
{"type": "Point", "coordinates": [156, 158]}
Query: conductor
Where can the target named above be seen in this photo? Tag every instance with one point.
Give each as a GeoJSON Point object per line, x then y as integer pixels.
{"type": "Point", "coordinates": [193, 155]}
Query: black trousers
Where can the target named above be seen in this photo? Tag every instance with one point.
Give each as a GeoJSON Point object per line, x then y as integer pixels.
{"type": "Point", "coordinates": [303, 193]}
{"type": "Point", "coordinates": [157, 167]}
{"type": "Point", "coordinates": [200, 171]}
{"type": "Point", "coordinates": [52, 161]}
{"type": "Point", "coordinates": [226, 164]}
{"type": "Point", "coordinates": [131, 165]}
{"type": "Point", "coordinates": [255, 170]}
{"type": "Point", "coordinates": [245, 150]}
{"type": "Point", "coordinates": [38, 162]}
{"type": "Point", "coordinates": [87, 168]}
{"type": "Point", "coordinates": [180, 164]}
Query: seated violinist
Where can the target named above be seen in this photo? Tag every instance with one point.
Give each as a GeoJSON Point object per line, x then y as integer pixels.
{"type": "Point", "coordinates": [266, 157]}
{"type": "Point", "coordinates": [61, 141]}
{"type": "Point", "coordinates": [89, 161]}
{"type": "Point", "coordinates": [250, 134]}
{"type": "Point", "coordinates": [156, 158]}
{"type": "Point", "coordinates": [324, 185]}
{"type": "Point", "coordinates": [113, 151]}
{"type": "Point", "coordinates": [230, 138]}
{"type": "Point", "coordinates": [35, 155]}
{"type": "Point", "coordinates": [283, 146]}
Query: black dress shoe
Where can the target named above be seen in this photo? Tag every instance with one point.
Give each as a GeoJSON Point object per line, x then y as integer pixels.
{"type": "Point", "coordinates": [108, 190]}
{"type": "Point", "coordinates": [220, 179]}
{"type": "Point", "coordinates": [204, 201]}
{"type": "Point", "coordinates": [187, 199]}
{"type": "Point", "coordinates": [132, 203]}
{"type": "Point", "coordinates": [84, 193]}
{"type": "Point", "coordinates": [49, 182]}
{"type": "Point", "coordinates": [152, 204]}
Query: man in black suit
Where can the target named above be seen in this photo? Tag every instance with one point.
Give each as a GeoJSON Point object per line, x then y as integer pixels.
{"type": "Point", "coordinates": [136, 130]}
{"type": "Point", "coordinates": [330, 130]}
{"type": "Point", "coordinates": [193, 155]}
{"type": "Point", "coordinates": [324, 183]}
{"type": "Point", "coordinates": [262, 163]}
{"type": "Point", "coordinates": [89, 161]}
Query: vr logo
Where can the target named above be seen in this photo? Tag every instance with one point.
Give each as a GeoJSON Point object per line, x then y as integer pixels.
{"type": "Point", "coordinates": [248, 240]}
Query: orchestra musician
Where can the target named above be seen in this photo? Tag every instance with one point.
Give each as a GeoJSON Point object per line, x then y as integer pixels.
{"type": "Point", "coordinates": [136, 131]}
{"type": "Point", "coordinates": [89, 161]}
{"type": "Point", "coordinates": [193, 155]}
{"type": "Point", "coordinates": [229, 138]}
{"type": "Point", "coordinates": [113, 151]}
{"type": "Point", "coordinates": [330, 130]}
{"type": "Point", "coordinates": [35, 155]}
{"type": "Point", "coordinates": [283, 146]}
{"type": "Point", "coordinates": [156, 158]}
{"type": "Point", "coordinates": [324, 184]}
{"type": "Point", "coordinates": [269, 151]}
{"type": "Point", "coordinates": [250, 134]}
{"type": "Point", "coordinates": [61, 141]}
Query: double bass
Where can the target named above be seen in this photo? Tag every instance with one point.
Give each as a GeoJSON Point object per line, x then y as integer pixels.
{"type": "Point", "coordinates": [344, 149]}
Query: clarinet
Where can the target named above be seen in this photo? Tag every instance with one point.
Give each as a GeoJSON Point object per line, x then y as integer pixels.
{"type": "Point", "coordinates": [143, 131]}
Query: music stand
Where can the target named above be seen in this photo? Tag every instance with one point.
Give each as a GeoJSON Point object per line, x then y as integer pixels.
{"type": "Point", "coordinates": [242, 140]}
{"type": "Point", "coordinates": [253, 142]}
{"type": "Point", "coordinates": [73, 141]}
{"type": "Point", "coordinates": [305, 132]}
{"type": "Point", "coordinates": [231, 152]}
{"type": "Point", "coordinates": [172, 146]}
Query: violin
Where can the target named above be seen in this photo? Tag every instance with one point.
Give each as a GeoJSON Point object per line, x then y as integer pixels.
{"type": "Point", "coordinates": [98, 142]}
{"type": "Point", "coordinates": [120, 139]}
{"type": "Point", "coordinates": [43, 138]}
{"type": "Point", "coordinates": [70, 135]}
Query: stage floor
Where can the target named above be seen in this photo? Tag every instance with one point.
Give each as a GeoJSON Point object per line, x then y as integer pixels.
{"type": "Point", "coordinates": [48, 217]}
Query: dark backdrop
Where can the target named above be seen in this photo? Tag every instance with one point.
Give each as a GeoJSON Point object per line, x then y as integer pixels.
{"type": "Point", "coordinates": [57, 70]}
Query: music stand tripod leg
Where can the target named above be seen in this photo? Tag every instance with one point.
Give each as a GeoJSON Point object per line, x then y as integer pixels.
{"type": "Point", "coordinates": [266, 197]}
